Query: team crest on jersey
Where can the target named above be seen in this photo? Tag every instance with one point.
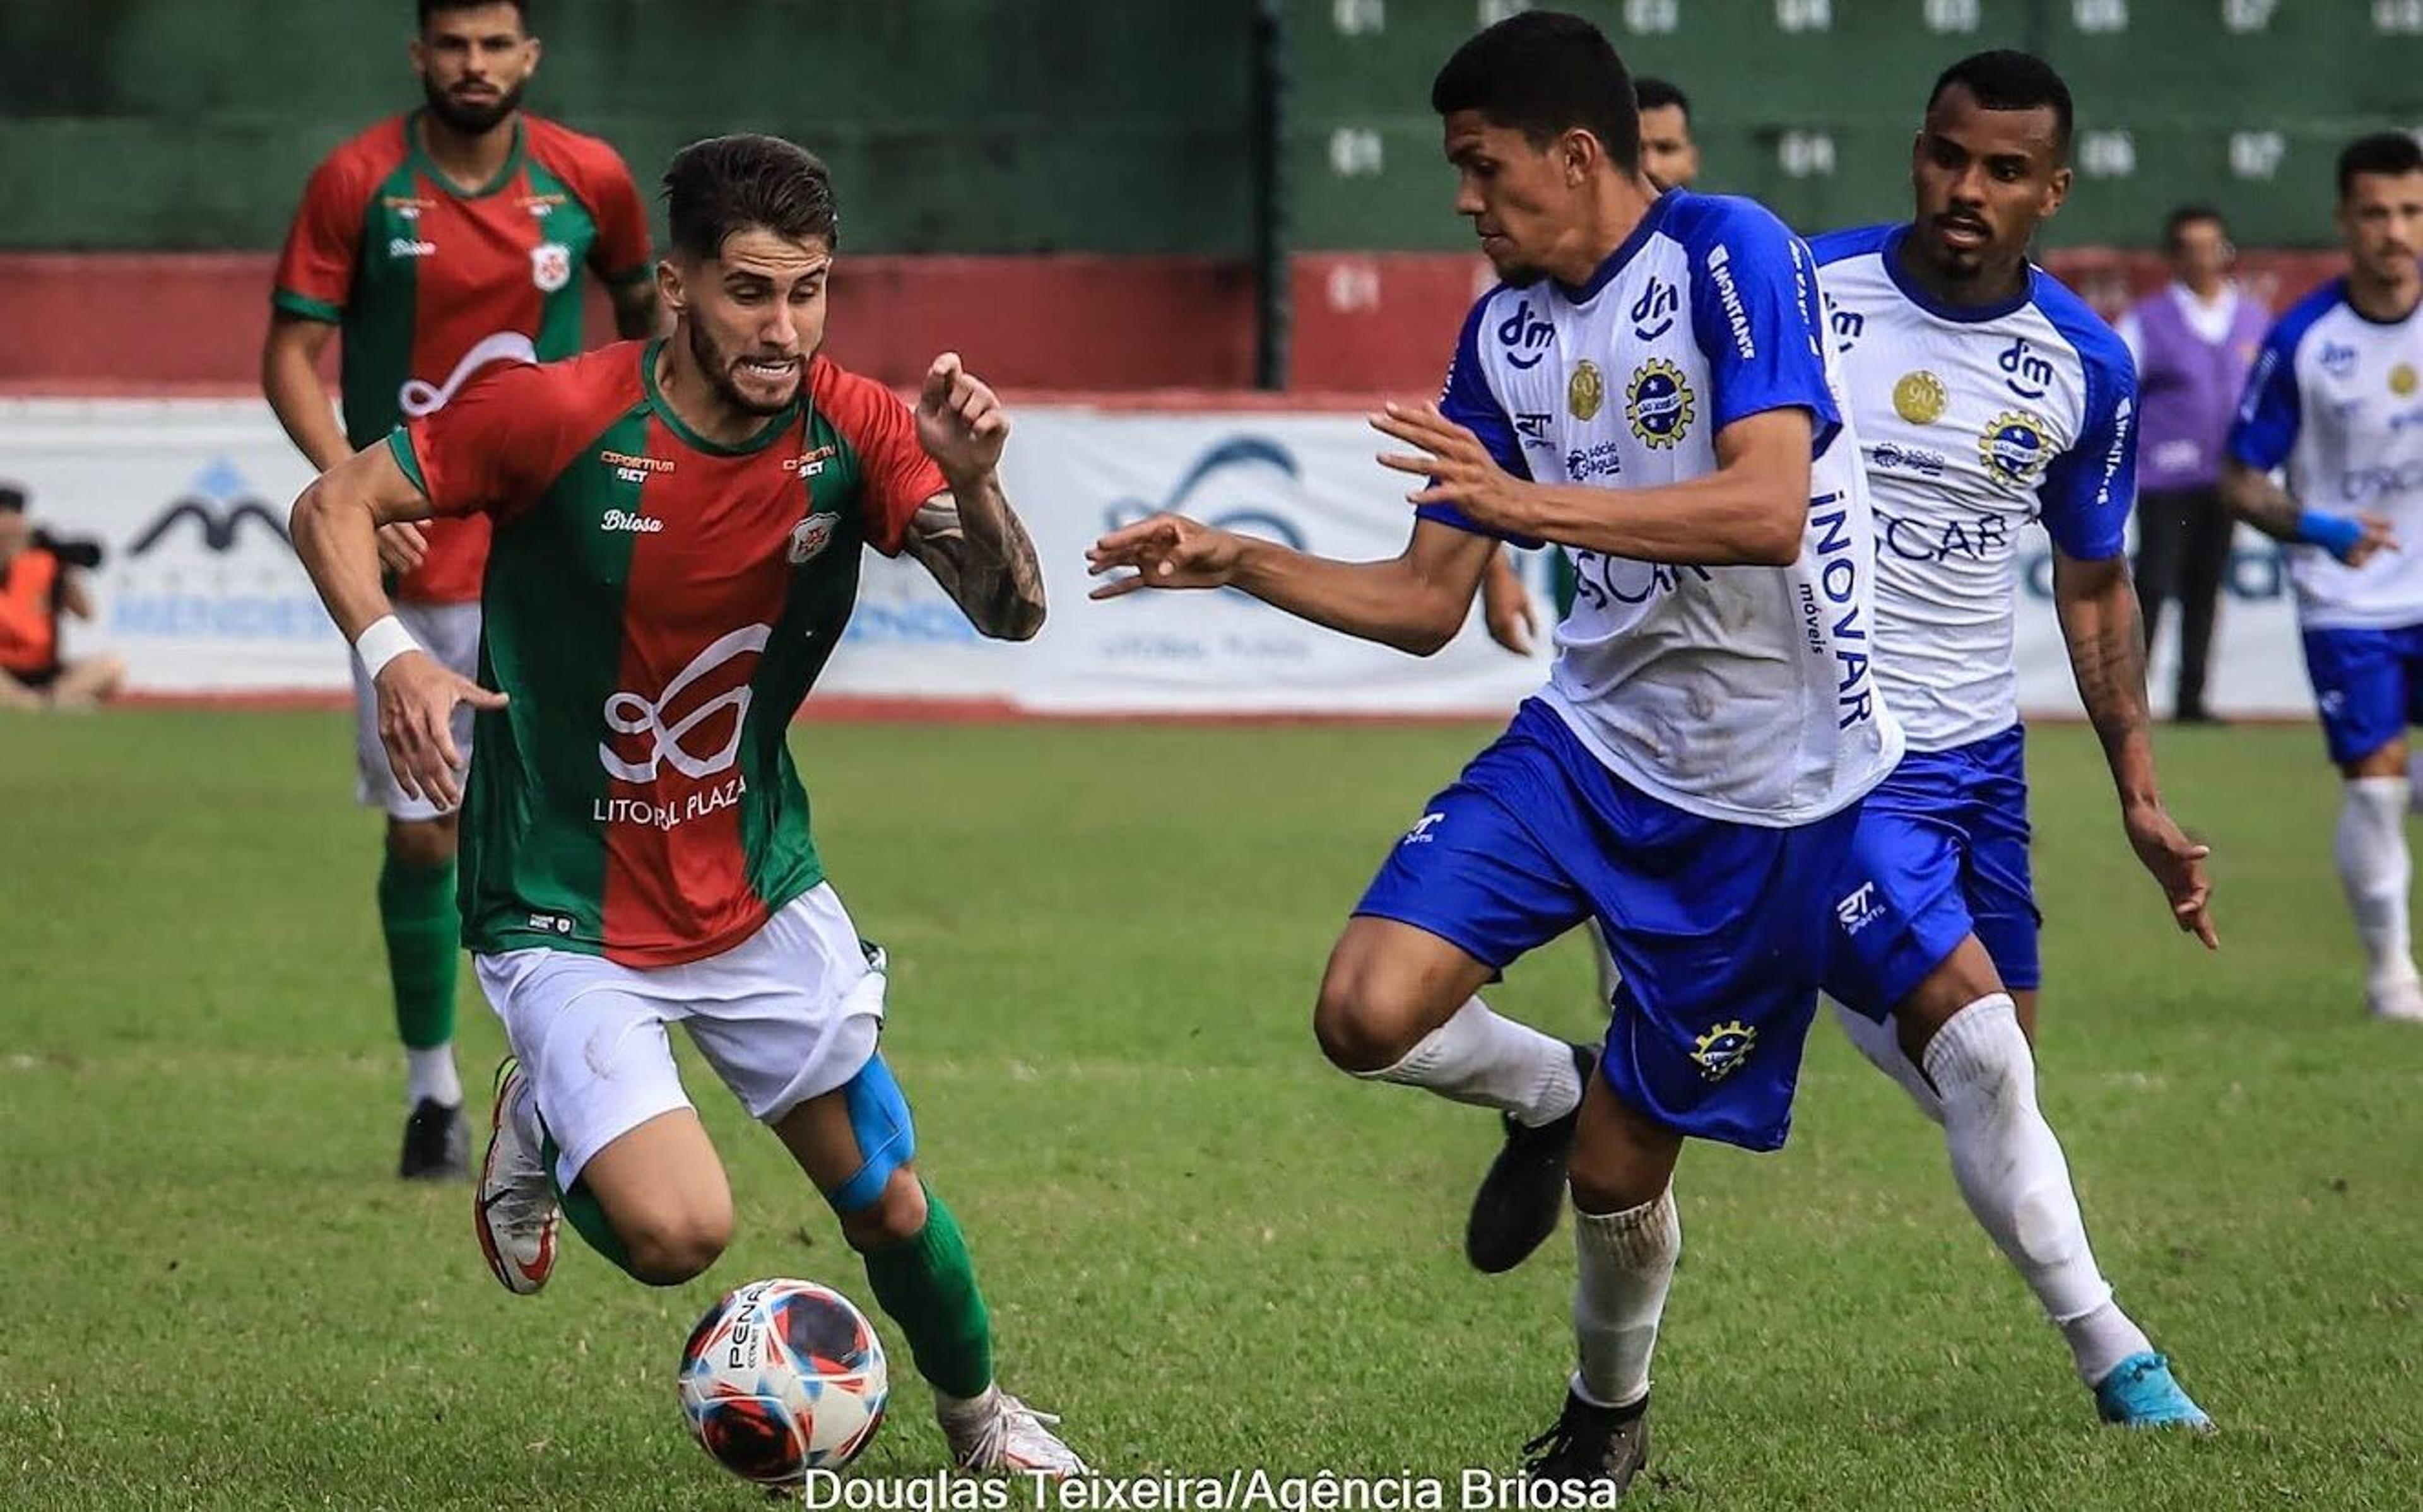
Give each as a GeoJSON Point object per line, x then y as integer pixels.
{"type": "Point", "coordinates": [1720, 1052]}
{"type": "Point", "coordinates": [2402, 379]}
{"type": "Point", "coordinates": [550, 266]}
{"type": "Point", "coordinates": [1659, 404]}
{"type": "Point", "coordinates": [2015, 448]}
{"type": "Point", "coordinates": [1585, 391]}
{"type": "Point", "coordinates": [810, 537]}
{"type": "Point", "coordinates": [1920, 398]}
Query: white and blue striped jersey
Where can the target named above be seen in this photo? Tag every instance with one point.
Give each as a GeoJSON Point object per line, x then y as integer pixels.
{"type": "Point", "coordinates": [1738, 693]}
{"type": "Point", "coordinates": [1975, 421]}
{"type": "Point", "coordinates": [2338, 399]}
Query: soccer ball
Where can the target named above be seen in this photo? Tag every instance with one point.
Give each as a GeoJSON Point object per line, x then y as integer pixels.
{"type": "Point", "coordinates": [782, 1378]}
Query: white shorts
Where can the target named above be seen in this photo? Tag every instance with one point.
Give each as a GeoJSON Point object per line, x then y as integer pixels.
{"type": "Point", "coordinates": [789, 1014]}
{"type": "Point", "coordinates": [451, 633]}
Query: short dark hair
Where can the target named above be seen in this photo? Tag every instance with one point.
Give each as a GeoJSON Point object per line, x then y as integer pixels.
{"type": "Point", "coordinates": [2394, 154]}
{"type": "Point", "coordinates": [2007, 79]}
{"type": "Point", "coordinates": [12, 500]}
{"type": "Point", "coordinates": [2186, 215]}
{"type": "Point", "coordinates": [429, 8]}
{"type": "Point", "coordinates": [1657, 94]}
{"type": "Point", "coordinates": [1544, 72]}
{"type": "Point", "coordinates": [730, 183]}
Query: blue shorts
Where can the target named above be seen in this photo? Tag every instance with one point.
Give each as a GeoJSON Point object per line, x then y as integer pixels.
{"type": "Point", "coordinates": [1720, 928]}
{"type": "Point", "coordinates": [2369, 684]}
{"type": "Point", "coordinates": [1941, 853]}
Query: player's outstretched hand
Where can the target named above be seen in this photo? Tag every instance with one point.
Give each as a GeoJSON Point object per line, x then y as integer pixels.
{"type": "Point", "coordinates": [415, 716]}
{"type": "Point", "coordinates": [401, 546]}
{"type": "Point", "coordinates": [2177, 864]}
{"type": "Point", "coordinates": [1460, 469]}
{"type": "Point", "coordinates": [960, 422]}
{"type": "Point", "coordinates": [2377, 537]}
{"type": "Point", "coordinates": [1167, 551]}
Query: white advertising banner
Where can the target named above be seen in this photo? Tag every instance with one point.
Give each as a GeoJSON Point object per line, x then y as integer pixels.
{"type": "Point", "coordinates": [201, 593]}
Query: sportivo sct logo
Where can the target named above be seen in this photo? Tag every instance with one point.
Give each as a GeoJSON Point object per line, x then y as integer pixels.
{"type": "Point", "coordinates": [418, 397]}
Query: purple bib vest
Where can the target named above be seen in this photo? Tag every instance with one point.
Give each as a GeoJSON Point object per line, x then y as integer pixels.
{"type": "Point", "coordinates": [2187, 389]}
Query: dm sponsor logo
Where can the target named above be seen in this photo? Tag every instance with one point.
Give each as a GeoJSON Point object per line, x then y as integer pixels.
{"type": "Point", "coordinates": [1526, 337]}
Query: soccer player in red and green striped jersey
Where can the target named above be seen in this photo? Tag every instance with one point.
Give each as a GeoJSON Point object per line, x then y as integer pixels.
{"type": "Point", "coordinates": [679, 530]}
{"type": "Point", "coordinates": [439, 242]}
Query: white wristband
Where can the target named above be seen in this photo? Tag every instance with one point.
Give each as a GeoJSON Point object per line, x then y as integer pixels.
{"type": "Point", "coordinates": [383, 643]}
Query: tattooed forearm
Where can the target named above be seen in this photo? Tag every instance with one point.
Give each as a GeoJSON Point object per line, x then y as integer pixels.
{"type": "Point", "coordinates": [2253, 496]}
{"type": "Point", "coordinates": [976, 547]}
{"type": "Point", "coordinates": [2097, 607]}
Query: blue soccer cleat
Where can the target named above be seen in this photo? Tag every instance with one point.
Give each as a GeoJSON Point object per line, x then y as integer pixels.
{"type": "Point", "coordinates": [2141, 1392]}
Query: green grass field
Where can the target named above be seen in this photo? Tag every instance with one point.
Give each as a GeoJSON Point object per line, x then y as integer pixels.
{"type": "Point", "coordinates": [1203, 1246]}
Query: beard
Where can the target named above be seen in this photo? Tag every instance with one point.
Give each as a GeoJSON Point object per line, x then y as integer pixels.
{"type": "Point", "coordinates": [471, 118]}
{"type": "Point", "coordinates": [713, 362]}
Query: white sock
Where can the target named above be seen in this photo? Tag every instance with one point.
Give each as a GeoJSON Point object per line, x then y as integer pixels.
{"type": "Point", "coordinates": [2009, 1167]}
{"type": "Point", "coordinates": [2374, 868]}
{"type": "Point", "coordinates": [1627, 1264]}
{"type": "Point", "coordinates": [1881, 1045]}
{"type": "Point", "coordinates": [2415, 777]}
{"type": "Point", "coordinates": [1477, 1057]}
{"type": "Point", "coordinates": [430, 1075]}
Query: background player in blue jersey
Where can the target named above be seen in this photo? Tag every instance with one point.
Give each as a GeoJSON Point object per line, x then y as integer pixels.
{"type": "Point", "coordinates": [2334, 398]}
{"type": "Point", "coordinates": [1648, 389]}
{"type": "Point", "coordinates": [1987, 396]}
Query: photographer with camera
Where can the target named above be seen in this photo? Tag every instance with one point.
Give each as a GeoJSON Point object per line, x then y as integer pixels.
{"type": "Point", "coordinates": [40, 578]}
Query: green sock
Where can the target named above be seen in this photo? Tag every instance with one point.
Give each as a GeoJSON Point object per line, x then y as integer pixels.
{"type": "Point", "coordinates": [580, 1207]}
{"type": "Point", "coordinates": [424, 937]}
{"type": "Point", "coordinates": [928, 1286]}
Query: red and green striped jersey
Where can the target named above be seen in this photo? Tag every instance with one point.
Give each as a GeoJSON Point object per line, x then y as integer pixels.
{"type": "Point", "coordinates": [655, 608]}
{"type": "Point", "coordinates": [428, 283]}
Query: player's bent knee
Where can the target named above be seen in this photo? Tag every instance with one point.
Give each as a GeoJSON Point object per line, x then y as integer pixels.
{"type": "Point", "coordinates": [1364, 1022]}
{"type": "Point", "coordinates": [666, 1252]}
{"type": "Point", "coordinates": [1359, 1033]}
{"type": "Point", "coordinates": [896, 1216]}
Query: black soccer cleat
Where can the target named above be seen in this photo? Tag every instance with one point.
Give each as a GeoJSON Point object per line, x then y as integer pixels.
{"type": "Point", "coordinates": [1592, 1445]}
{"type": "Point", "coordinates": [1516, 1208]}
{"type": "Point", "coordinates": [436, 1143]}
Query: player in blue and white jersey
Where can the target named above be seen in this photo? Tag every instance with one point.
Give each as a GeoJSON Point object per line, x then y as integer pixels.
{"type": "Point", "coordinates": [1988, 396]}
{"type": "Point", "coordinates": [1649, 389]}
{"type": "Point", "coordinates": [2334, 398]}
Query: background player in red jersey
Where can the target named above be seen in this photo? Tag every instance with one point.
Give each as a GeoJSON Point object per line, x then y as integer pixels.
{"type": "Point", "coordinates": [441, 240]}
{"type": "Point", "coordinates": [677, 542]}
